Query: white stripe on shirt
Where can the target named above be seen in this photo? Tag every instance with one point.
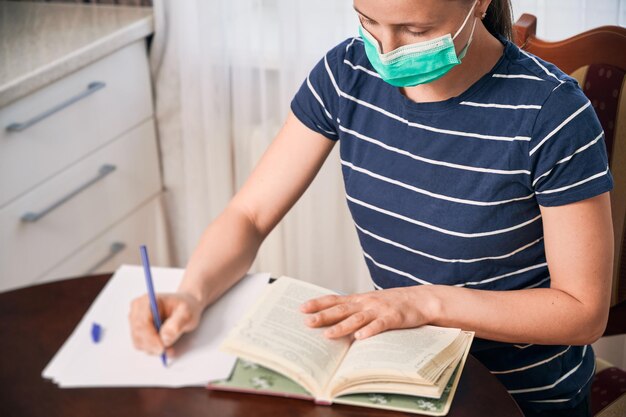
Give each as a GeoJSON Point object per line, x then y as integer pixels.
{"type": "Point", "coordinates": [576, 184]}
{"type": "Point", "coordinates": [371, 106]}
{"type": "Point", "coordinates": [350, 44]}
{"type": "Point", "coordinates": [429, 193]}
{"type": "Point", "coordinates": [431, 161]}
{"type": "Point", "coordinates": [440, 229]}
{"type": "Point", "coordinates": [326, 131]}
{"type": "Point", "coordinates": [541, 66]}
{"type": "Point", "coordinates": [555, 383]}
{"type": "Point", "coordinates": [523, 76]}
{"type": "Point", "coordinates": [567, 158]}
{"type": "Point", "coordinates": [318, 98]}
{"type": "Point", "coordinates": [502, 106]}
{"type": "Point", "coordinates": [559, 127]}
{"type": "Point", "coordinates": [421, 281]}
{"type": "Point", "coordinates": [563, 400]}
{"type": "Point", "coordinates": [396, 271]}
{"type": "Point", "coordinates": [523, 368]}
{"type": "Point", "coordinates": [437, 258]}
{"type": "Point", "coordinates": [536, 284]}
{"type": "Point", "coordinates": [499, 277]}
{"type": "Point", "coordinates": [359, 67]}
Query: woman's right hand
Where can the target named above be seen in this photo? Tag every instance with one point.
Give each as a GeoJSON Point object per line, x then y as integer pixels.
{"type": "Point", "coordinates": [180, 313]}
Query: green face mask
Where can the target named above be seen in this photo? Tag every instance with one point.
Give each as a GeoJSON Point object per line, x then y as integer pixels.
{"type": "Point", "coordinates": [417, 63]}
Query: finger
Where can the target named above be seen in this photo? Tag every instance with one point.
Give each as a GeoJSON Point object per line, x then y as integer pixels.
{"type": "Point", "coordinates": [180, 321]}
{"type": "Point", "coordinates": [144, 335]}
{"type": "Point", "coordinates": [150, 344]}
{"type": "Point", "coordinates": [141, 308]}
{"type": "Point", "coordinates": [376, 326]}
{"type": "Point", "coordinates": [171, 353]}
{"type": "Point", "coordinates": [316, 304]}
{"type": "Point", "coordinates": [146, 339]}
{"type": "Point", "coordinates": [351, 324]}
{"type": "Point", "coordinates": [332, 315]}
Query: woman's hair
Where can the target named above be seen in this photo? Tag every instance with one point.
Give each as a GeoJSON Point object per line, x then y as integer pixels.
{"type": "Point", "coordinates": [499, 19]}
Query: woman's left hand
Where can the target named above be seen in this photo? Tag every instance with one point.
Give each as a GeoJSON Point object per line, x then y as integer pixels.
{"type": "Point", "coordinates": [367, 314]}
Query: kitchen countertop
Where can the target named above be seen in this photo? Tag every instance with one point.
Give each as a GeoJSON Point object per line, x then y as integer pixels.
{"type": "Point", "coordinates": [42, 42]}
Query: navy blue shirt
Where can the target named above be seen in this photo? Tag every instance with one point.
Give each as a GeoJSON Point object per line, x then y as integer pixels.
{"type": "Point", "coordinates": [448, 192]}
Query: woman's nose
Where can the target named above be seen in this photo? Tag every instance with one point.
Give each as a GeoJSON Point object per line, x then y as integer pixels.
{"type": "Point", "coordinates": [388, 41]}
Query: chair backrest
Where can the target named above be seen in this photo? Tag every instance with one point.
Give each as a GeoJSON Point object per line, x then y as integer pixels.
{"type": "Point", "coordinates": [597, 59]}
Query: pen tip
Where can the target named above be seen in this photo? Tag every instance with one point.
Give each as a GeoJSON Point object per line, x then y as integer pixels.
{"type": "Point", "coordinates": [164, 360]}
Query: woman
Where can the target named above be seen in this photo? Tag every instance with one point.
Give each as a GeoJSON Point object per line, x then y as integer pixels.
{"type": "Point", "coordinates": [478, 181]}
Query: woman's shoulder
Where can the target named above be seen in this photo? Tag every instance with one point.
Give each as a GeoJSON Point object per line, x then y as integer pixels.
{"type": "Point", "coordinates": [538, 77]}
{"type": "Point", "coordinates": [347, 61]}
{"type": "Point", "coordinates": [349, 49]}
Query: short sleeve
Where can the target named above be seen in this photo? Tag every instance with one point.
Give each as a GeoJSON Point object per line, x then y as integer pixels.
{"type": "Point", "coordinates": [316, 104]}
{"type": "Point", "coordinates": [567, 152]}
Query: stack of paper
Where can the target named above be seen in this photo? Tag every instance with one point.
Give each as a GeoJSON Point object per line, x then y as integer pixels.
{"type": "Point", "coordinates": [114, 362]}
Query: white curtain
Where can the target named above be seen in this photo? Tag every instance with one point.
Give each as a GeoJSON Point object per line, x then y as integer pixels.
{"type": "Point", "coordinates": [225, 72]}
{"type": "Point", "coordinates": [560, 19]}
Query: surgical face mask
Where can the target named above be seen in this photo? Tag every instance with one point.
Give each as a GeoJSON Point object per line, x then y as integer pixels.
{"type": "Point", "coordinates": [417, 63]}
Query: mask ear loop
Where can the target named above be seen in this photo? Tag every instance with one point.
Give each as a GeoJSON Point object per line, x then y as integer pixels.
{"type": "Point", "coordinates": [465, 21]}
{"type": "Point", "coordinates": [469, 41]}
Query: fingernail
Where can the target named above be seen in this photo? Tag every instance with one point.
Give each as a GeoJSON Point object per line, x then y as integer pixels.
{"type": "Point", "coordinates": [358, 335]}
{"type": "Point", "coordinates": [311, 319]}
{"type": "Point", "coordinates": [167, 340]}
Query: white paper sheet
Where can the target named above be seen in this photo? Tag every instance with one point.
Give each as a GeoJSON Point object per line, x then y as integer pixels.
{"type": "Point", "coordinates": [114, 362]}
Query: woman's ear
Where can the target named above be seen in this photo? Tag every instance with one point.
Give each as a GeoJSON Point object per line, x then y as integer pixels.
{"type": "Point", "coordinates": [481, 8]}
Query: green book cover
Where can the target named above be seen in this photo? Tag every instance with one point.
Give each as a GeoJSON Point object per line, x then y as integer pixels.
{"type": "Point", "coordinates": [252, 378]}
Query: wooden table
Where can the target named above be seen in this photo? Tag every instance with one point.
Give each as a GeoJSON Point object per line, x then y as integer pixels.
{"type": "Point", "coordinates": [35, 321]}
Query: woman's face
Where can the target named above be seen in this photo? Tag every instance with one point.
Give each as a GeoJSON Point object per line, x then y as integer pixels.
{"type": "Point", "coordinates": [395, 23]}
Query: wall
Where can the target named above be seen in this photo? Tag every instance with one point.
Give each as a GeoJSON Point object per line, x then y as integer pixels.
{"type": "Point", "coordinates": [558, 19]}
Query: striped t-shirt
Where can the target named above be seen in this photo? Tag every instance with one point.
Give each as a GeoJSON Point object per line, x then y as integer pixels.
{"type": "Point", "coordinates": [448, 192]}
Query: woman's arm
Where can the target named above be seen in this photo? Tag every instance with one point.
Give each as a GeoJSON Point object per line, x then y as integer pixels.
{"type": "Point", "coordinates": [229, 244]}
{"type": "Point", "coordinates": [579, 250]}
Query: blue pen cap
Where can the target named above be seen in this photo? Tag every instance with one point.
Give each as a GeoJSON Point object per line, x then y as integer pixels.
{"type": "Point", "coordinates": [96, 332]}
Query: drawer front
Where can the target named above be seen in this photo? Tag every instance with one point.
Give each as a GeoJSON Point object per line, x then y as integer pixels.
{"type": "Point", "coordinates": [55, 219]}
{"type": "Point", "coordinates": [44, 132]}
{"type": "Point", "coordinates": [120, 245]}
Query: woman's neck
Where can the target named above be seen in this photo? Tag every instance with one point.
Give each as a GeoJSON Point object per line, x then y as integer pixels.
{"type": "Point", "coordinates": [482, 55]}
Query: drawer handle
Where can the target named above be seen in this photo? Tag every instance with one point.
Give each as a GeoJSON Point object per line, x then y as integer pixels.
{"type": "Point", "coordinates": [114, 249]}
{"type": "Point", "coordinates": [91, 88]}
{"type": "Point", "coordinates": [104, 170]}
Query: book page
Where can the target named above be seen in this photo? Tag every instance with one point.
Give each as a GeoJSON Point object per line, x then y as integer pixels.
{"type": "Point", "coordinates": [399, 354]}
{"type": "Point", "coordinates": [274, 334]}
{"type": "Point", "coordinates": [392, 386]}
{"type": "Point", "coordinates": [412, 403]}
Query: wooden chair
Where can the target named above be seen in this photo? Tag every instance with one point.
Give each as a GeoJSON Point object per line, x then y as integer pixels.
{"type": "Point", "coordinates": [597, 59]}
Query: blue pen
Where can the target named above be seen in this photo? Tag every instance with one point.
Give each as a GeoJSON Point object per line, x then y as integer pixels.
{"type": "Point", "coordinates": [151, 295]}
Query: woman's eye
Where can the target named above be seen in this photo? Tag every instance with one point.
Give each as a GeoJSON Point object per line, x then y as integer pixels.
{"type": "Point", "coordinates": [365, 22]}
{"type": "Point", "coordinates": [414, 33]}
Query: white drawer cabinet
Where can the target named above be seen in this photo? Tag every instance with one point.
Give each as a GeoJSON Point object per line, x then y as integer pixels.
{"type": "Point", "coordinates": [45, 131]}
{"type": "Point", "coordinates": [116, 179]}
{"type": "Point", "coordinates": [78, 162]}
{"type": "Point", "coordinates": [119, 245]}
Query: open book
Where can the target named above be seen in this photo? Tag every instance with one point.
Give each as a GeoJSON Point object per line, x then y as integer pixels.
{"type": "Point", "coordinates": [413, 370]}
